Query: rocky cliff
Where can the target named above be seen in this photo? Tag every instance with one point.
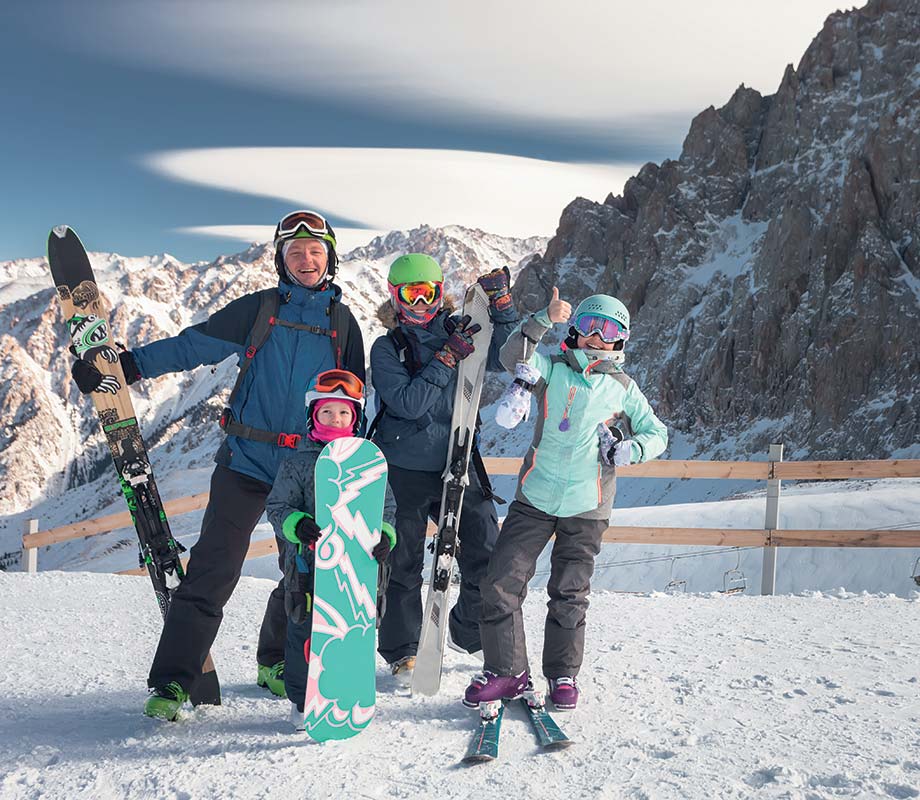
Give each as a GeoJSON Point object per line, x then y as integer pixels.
{"type": "Point", "coordinates": [773, 270]}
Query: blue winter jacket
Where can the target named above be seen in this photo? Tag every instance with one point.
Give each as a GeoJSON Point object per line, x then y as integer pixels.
{"type": "Point", "coordinates": [414, 431]}
{"type": "Point", "coordinates": [272, 394]}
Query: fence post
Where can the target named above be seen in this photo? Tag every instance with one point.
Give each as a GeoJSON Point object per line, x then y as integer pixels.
{"type": "Point", "coordinates": [31, 553]}
{"type": "Point", "coordinates": [768, 574]}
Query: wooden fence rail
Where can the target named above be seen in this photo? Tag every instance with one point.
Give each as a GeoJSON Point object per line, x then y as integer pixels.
{"type": "Point", "coordinates": [768, 537]}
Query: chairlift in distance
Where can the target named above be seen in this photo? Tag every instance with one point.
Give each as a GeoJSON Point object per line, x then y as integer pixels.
{"type": "Point", "coordinates": [916, 573]}
{"type": "Point", "coordinates": [674, 586]}
{"type": "Point", "coordinates": [734, 582]}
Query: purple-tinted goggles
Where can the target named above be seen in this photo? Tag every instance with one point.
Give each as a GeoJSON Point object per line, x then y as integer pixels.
{"type": "Point", "coordinates": [608, 329]}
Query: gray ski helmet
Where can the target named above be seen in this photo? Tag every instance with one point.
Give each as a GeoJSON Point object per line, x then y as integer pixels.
{"type": "Point", "coordinates": [603, 305]}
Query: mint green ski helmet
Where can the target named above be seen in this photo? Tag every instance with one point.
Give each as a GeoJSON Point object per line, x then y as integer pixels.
{"type": "Point", "coordinates": [603, 305]}
{"type": "Point", "coordinates": [414, 267]}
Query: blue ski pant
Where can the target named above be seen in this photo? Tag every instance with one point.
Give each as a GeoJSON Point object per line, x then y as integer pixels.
{"type": "Point", "coordinates": [196, 608]}
{"type": "Point", "coordinates": [418, 499]}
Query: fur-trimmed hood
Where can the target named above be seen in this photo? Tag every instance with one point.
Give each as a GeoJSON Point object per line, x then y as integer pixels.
{"type": "Point", "coordinates": [386, 314]}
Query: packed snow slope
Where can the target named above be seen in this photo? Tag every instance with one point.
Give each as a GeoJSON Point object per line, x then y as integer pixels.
{"type": "Point", "coordinates": [685, 696]}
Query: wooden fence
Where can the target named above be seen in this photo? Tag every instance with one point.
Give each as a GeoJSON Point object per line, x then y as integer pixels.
{"type": "Point", "coordinates": [773, 471]}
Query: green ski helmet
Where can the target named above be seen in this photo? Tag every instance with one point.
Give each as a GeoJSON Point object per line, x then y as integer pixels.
{"type": "Point", "coordinates": [603, 305]}
{"type": "Point", "coordinates": [414, 267]}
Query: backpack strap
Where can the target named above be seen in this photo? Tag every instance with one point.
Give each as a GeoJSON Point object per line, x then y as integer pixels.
{"type": "Point", "coordinates": [340, 322]}
{"type": "Point", "coordinates": [269, 303]}
{"type": "Point", "coordinates": [266, 319]}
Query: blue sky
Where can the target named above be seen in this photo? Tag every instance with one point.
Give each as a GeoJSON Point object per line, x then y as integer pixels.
{"type": "Point", "coordinates": [191, 127]}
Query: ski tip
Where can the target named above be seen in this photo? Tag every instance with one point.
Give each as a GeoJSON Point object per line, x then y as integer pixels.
{"type": "Point", "coordinates": [60, 231]}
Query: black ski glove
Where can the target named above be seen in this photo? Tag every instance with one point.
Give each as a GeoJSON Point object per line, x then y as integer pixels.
{"type": "Point", "coordinates": [89, 379]}
{"type": "Point", "coordinates": [382, 549]}
{"type": "Point", "coordinates": [459, 344]}
{"type": "Point", "coordinates": [307, 531]}
{"type": "Point", "coordinates": [497, 285]}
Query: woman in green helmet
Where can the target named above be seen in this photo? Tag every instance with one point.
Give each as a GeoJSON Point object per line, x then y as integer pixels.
{"type": "Point", "coordinates": [592, 419]}
{"type": "Point", "coordinates": [413, 370]}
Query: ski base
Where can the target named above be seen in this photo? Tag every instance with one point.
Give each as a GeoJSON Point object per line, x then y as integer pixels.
{"type": "Point", "coordinates": [484, 745]}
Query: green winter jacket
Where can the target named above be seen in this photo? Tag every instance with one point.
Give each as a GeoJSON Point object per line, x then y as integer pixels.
{"type": "Point", "coordinates": [563, 474]}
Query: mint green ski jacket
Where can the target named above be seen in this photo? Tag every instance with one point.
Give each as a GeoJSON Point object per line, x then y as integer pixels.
{"type": "Point", "coordinates": [563, 474]}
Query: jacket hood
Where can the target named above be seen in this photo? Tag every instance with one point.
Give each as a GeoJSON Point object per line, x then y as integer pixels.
{"type": "Point", "coordinates": [578, 360]}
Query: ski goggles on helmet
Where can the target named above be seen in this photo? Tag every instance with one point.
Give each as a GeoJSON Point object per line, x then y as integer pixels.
{"type": "Point", "coordinates": [339, 379]}
{"type": "Point", "coordinates": [428, 292]}
{"type": "Point", "coordinates": [308, 221]}
{"type": "Point", "coordinates": [608, 329]}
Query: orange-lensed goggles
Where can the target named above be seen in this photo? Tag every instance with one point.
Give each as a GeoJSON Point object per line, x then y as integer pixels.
{"type": "Point", "coordinates": [333, 379]}
{"type": "Point", "coordinates": [428, 292]}
{"type": "Point", "coordinates": [296, 220]}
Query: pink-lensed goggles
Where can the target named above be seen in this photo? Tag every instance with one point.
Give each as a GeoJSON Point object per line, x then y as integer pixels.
{"type": "Point", "coordinates": [608, 329]}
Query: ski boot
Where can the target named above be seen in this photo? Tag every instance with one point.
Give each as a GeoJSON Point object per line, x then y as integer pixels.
{"type": "Point", "coordinates": [402, 670]}
{"type": "Point", "coordinates": [165, 701]}
{"type": "Point", "coordinates": [272, 678]}
{"type": "Point", "coordinates": [563, 691]}
{"type": "Point", "coordinates": [487, 687]}
{"type": "Point", "coordinates": [297, 718]}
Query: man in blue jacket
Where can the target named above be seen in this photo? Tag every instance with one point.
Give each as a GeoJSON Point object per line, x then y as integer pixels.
{"type": "Point", "coordinates": [282, 337]}
{"type": "Point", "coordinates": [413, 370]}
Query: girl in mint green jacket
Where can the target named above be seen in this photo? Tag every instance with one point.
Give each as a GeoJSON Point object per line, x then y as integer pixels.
{"type": "Point", "coordinates": [591, 418]}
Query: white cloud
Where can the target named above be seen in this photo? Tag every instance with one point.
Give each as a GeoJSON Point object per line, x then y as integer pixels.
{"type": "Point", "coordinates": [347, 239]}
{"type": "Point", "coordinates": [389, 189]}
{"type": "Point", "coordinates": [586, 63]}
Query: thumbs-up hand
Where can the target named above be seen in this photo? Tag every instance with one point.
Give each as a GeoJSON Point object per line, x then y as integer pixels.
{"type": "Point", "coordinates": [558, 310]}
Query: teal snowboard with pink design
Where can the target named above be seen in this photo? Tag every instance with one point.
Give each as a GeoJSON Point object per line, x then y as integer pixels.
{"type": "Point", "coordinates": [350, 481]}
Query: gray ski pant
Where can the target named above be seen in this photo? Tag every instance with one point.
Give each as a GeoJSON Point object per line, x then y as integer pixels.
{"type": "Point", "coordinates": [522, 538]}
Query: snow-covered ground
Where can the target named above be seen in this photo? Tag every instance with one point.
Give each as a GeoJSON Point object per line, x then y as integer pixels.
{"type": "Point", "coordinates": [686, 696]}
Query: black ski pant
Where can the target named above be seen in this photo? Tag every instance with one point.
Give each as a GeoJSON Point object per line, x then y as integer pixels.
{"type": "Point", "coordinates": [295, 660]}
{"type": "Point", "coordinates": [418, 499]}
{"type": "Point", "coordinates": [234, 508]}
{"type": "Point", "coordinates": [524, 534]}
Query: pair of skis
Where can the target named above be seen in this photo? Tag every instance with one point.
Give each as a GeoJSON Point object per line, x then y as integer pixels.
{"type": "Point", "coordinates": [426, 676]}
{"type": "Point", "coordinates": [484, 744]}
{"type": "Point", "coordinates": [88, 328]}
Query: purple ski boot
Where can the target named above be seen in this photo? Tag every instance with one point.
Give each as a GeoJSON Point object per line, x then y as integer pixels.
{"type": "Point", "coordinates": [488, 687]}
{"type": "Point", "coordinates": [563, 692]}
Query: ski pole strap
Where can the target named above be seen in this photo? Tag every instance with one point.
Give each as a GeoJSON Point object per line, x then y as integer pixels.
{"type": "Point", "coordinates": [372, 429]}
{"type": "Point", "coordinates": [233, 428]}
{"type": "Point", "coordinates": [483, 476]}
